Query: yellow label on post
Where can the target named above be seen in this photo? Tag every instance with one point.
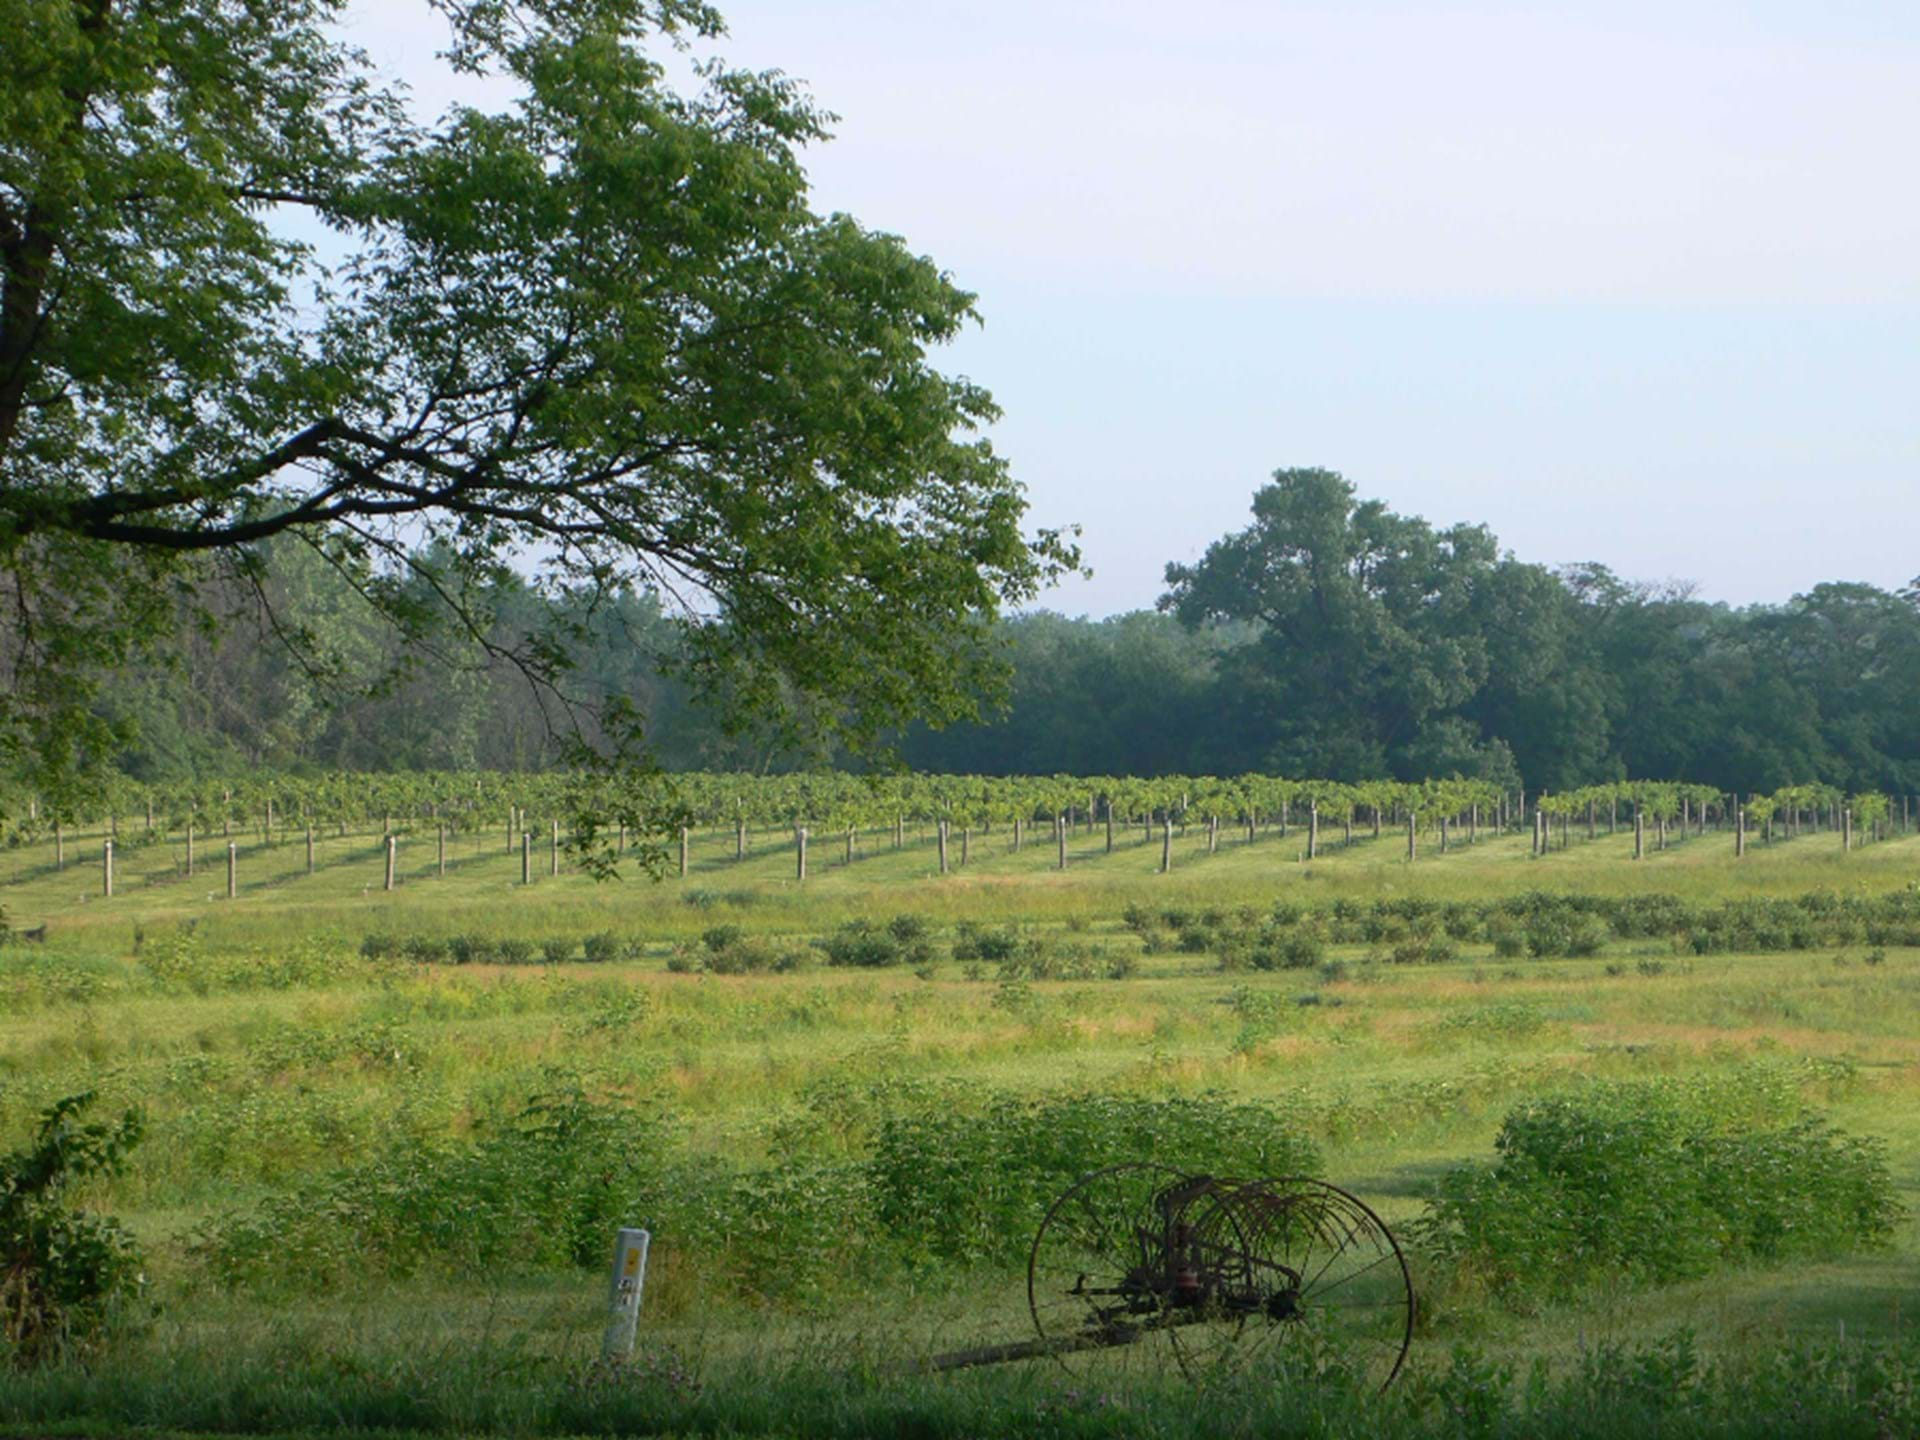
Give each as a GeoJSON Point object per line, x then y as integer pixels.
{"type": "Point", "coordinates": [633, 1261]}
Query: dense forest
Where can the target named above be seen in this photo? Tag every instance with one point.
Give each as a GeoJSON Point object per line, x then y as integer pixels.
{"type": "Point", "coordinates": [1331, 638]}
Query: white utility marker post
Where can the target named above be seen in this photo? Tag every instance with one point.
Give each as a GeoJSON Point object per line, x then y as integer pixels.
{"type": "Point", "coordinates": [623, 1299]}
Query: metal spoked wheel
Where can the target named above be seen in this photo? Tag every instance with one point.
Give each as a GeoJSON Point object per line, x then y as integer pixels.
{"type": "Point", "coordinates": [1137, 1265]}
{"type": "Point", "coordinates": [1326, 1278]}
{"type": "Point", "coordinates": [1096, 1279]}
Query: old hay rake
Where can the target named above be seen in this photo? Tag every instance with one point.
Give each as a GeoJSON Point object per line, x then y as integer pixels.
{"type": "Point", "coordinates": [1138, 1263]}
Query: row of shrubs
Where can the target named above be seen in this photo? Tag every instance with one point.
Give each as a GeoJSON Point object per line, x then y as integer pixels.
{"type": "Point", "coordinates": [903, 940]}
{"type": "Point", "coordinates": [1536, 924]}
{"type": "Point", "coordinates": [1409, 930]}
{"type": "Point", "coordinates": [952, 1179]}
{"type": "Point", "coordinates": [602, 948]}
{"type": "Point", "coordinates": [1642, 1184]}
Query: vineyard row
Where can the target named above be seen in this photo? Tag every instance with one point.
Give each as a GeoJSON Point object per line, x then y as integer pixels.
{"type": "Point", "coordinates": [659, 816]}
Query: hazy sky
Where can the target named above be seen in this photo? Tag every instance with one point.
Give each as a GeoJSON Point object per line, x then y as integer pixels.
{"type": "Point", "coordinates": [1630, 282]}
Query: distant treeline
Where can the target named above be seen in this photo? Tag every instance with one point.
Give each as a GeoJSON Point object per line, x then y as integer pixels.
{"type": "Point", "coordinates": [1332, 638]}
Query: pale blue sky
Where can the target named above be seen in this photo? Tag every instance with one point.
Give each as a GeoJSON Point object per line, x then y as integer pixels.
{"type": "Point", "coordinates": [1630, 282]}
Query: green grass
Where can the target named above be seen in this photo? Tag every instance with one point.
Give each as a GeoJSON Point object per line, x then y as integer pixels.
{"type": "Point", "coordinates": [266, 1054]}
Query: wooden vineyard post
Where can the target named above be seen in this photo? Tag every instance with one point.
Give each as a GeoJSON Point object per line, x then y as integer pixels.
{"type": "Point", "coordinates": [1660, 832]}
{"type": "Point", "coordinates": [740, 839]}
{"type": "Point", "coordinates": [60, 847]}
{"type": "Point", "coordinates": [966, 844]}
{"type": "Point", "coordinates": [1566, 822]}
{"type": "Point", "coordinates": [189, 849]}
{"type": "Point", "coordinates": [390, 847]}
{"type": "Point", "coordinates": [1313, 831]}
{"type": "Point", "coordinates": [1413, 836]}
{"type": "Point", "coordinates": [106, 868]}
{"type": "Point", "coordinates": [1060, 829]}
{"type": "Point", "coordinates": [233, 871]}
{"type": "Point", "coordinates": [1213, 833]}
{"type": "Point", "coordinates": [1376, 821]}
{"type": "Point", "coordinates": [942, 836]}
{"type": "Point", "coordinates": [1639, 833]}
{"type": "Point", "coordinates": [149, 815]}
{"type": "Point", "coordinates": [1613, 815]}
{"type": "Point", "coordinates": [800, 852]}
{"type": "Point", "coordinates": [266, 832]}
{"type": "Point", "coordinates": [1739, 830]}
{"type": "Point", "coordinates": [1593, 820]}
{"type": "Point", "coordinates": [1109, 825]}
{"type": "Point", "coordinates": [1016, 834]}
{"type": "Point", "coordinates": [441, 840]}
{"type": "Point", "coordinates": [526, 858]}
{"type": "Point", "coordinates": [1846, 829]}
{"type": "Point", "coordinates": [553, 851]}
{"type": "Point", "coordinates": [1443, 834]}
{"type": "Point", "coordinates": [620, 846]}
{"type": "Point", "coordinates": [683, 852]}
{"type": "Point", "coordinates": [509, 830]}
{"type": "Point", "coordinates": [309, 847]}
{"type": "Point", "coordinates": [1473, 823]}
{"type": "Point", "coordinates": [1166, 843]}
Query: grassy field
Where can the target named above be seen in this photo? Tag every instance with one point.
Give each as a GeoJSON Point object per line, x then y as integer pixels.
{"type": "Point", "coordinates": [300, 1247]}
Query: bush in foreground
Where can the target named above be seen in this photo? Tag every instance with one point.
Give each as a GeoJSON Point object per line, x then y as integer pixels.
{"type": "Point", "coordinates": [62, 1271]}
{"type": "Point", "coordinates": [1645, 1183]}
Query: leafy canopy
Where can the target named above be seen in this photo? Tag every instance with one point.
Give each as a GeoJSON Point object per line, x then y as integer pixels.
{"type": "Point", "coordinates": [245, 292]}
{"type": "Point", "coordinates": [1362, 619]}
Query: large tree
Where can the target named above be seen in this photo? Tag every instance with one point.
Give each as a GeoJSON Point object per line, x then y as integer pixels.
{"type": "Point", "coordinates": [1364, 626]}
{"type": "Point", "coordinates": [245, 292]}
